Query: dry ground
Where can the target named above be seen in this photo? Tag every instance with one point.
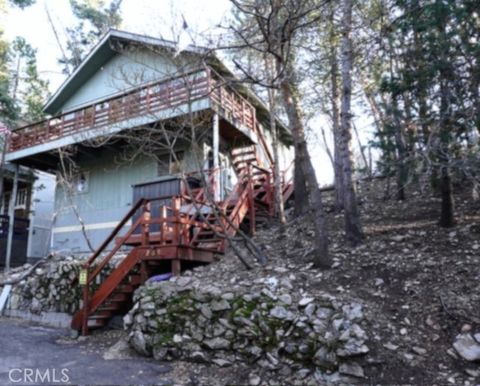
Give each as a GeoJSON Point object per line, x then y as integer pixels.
{"type": "Point", "coordinates": [419, 283]}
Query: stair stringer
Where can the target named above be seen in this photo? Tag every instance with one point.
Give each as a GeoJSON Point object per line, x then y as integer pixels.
{"type": "Point", "coordinates": [108, 286]}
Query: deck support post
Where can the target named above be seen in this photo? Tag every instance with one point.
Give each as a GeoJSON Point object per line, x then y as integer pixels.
{"type": "Point", "coordinates": [216, 157]}
{"type": "Point", "coordinates": [11, 219]}
{"type": "Point", "coordinates": [176, 267]}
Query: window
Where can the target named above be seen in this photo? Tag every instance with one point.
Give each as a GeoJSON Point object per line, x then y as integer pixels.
{"type": "Point", "coordinates": [21, 199]}
{"type": "Point", "coordinates": [5, 203]}
{"type": "Point", "coordinates": [20, 202]}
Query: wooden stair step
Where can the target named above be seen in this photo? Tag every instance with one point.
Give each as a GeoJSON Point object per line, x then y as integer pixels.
{"type": "Point", "coordinates": [125, 288]}
{"type": "Point", "coordinates": [110, 307]}
{"type": "Point", "coordinates": [134, 279]}
{"type": "Point", "coordinates": [118, 297]}
{"type": "Point", "coordinates": [246, 159]}
{"type": "Point", "coordinates": [96, 323]}
{"type": "Point", "coordinates": [101, 315]}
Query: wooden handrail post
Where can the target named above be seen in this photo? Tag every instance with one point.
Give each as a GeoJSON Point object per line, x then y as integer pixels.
{"type": "Point", "coordinates": [146, 216]}
{"type": "Point", "coordinates": [86, 297]}
{"type": "Point", "coordinates": [209, 80]}
{"type": "Point", "coordinates": [177, 225]}
{"type": "Point", "coordinates": [251, 201]}
{"type": "Point", "coordinates": [163, 224]}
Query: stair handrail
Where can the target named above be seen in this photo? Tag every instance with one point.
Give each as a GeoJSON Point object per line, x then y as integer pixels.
{"type": "Point", "coordinates": [284, 172]}
{"type": "Point", "coordinates": [114, 250]}
{"type": "Point", "coordinates": [264, 144]}
{"type": "Point", "coordinates": [115, 231]}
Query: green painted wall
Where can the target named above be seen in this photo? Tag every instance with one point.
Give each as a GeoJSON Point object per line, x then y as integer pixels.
{"type": "Point", "coordinates": [126, 70]}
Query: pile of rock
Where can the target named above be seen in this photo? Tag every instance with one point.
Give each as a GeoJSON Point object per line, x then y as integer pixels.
{"type": "Point", "coordinates": [52, 286]}
{"type": "Point", "coordinates": [266, 323]}
{"type": "Point", "coordinates": [48, 288]}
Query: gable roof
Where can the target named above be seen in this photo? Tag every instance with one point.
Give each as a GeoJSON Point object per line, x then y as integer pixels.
{"type": "Point", "coordinates": [105, 49]}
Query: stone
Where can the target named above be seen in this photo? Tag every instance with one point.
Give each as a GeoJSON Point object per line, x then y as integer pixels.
{"type": "Point", "coordinates": [206, 311]}
{"type": "Point", "coordinates": [221, 305]}
{"type": "Point", "coordinates": [467, 347]}
{"type": "Point", "coordinates": [268, 294]}
{"type": "Point", "coordinates": [403, 331]}
{"type": "Point", "coordinates": [477, 337]}
{"type": "Point", "coordinates": [221, 362]}
{"type": "Point", "coordinates": [473, 373]}
{"type": "Point", "coordinates": [182, 281]}
{"type": "Point", "coordinates": [127, 320]}
{"type": "Point", "coordinates": [390, 346]}
{"type": "Point", "coordinates": [408, 357]}
{"type": "Point", "coordinates": [353, 311]}
{"type": "Point", "coordinates": [228, 296]}
{"type": "Point", "coordinates": [285, 299]}
{"type": "Point", "coordinates": [199, 357]}
{"type": "Point", "coordinates": [160, 353]}
{"type": "Point", "coordinates": [324, 358]}
{"type": "Point", "coordinates": [137, 340]}
{"type": "Point", "coordinates": [310, 310]}
{"type": "Point", "coordinates": [218, 330]}
{"type": "Point", "coordinates": [254, 351]}
{"type": "Point", "coordinates": [352, 348]}
{"type": "Point", "coordinates": [419, 350]}
{"type": "Point", "coordinates": [352, 369]}
{"type": "Point", "coordinates": [466, 328]}
{"type": "Point", "coordinates": [217, 344]}
{"type": "Point", "coordinates": [279, 312]}
{"type": "Point", "coordinates": [272, 359]}
{"type": "Point", "coordinates": [254, 380]}
{"type": "Point", "coordinates": [304, 301]}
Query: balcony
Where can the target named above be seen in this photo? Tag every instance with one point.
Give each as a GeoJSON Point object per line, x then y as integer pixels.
{"type": "Point", "coordinates": [143, 105]}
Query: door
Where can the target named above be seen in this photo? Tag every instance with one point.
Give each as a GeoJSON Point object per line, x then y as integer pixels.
{"type": "Point", "coordinates": [161, 191]}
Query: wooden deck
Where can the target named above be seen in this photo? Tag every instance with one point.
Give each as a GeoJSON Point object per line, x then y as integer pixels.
{"type": "Point", "coordinates": [149, 99]}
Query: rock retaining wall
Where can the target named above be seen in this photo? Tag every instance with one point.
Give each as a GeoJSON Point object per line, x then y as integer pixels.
{"type": "Point", "coordinates": [49, 288]}
{"type": "Point", "coordinates": [266, 323]}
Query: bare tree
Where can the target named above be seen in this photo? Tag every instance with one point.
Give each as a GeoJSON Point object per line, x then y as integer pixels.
{"type": "Point", "coordinates": [273, 27]}
{"type": "Point", "coordinates": [353, 227]}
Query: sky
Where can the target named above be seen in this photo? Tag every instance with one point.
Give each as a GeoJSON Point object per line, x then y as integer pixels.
{"type": "Point", "coordinates": [161, 18]}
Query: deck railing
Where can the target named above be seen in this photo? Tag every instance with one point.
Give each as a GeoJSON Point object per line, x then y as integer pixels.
{"type": "Point", "coordinates": [146, 100]}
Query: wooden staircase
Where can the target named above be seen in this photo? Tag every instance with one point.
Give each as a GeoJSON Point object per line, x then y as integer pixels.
{"type": "Point", "coordinates": [179, 235]}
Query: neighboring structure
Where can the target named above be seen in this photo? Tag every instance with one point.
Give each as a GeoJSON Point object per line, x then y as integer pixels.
{"type": "Point", "coordinates": [33, 211]}
{"type": "Point", "coordinates": [143, 138]}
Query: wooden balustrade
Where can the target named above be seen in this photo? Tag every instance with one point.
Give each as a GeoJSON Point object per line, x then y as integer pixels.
{"type": "Point", "coordinates": [142, 101]}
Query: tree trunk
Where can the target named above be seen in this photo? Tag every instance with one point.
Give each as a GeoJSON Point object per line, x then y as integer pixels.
{"type": "Point", "coordinates": [447, 215]}
{"type": "Point", "coordinates": [278, 183]}
{"type": "Point", "coordinates": [353, 227]}
{"type": "Point", "coordinates": [337, 167]}
{"type": "Point", "coordinates": [304, 164]}
{"type": "Point", "coordinates": [402, 171]}
{"type": "Point", "coordinates": [299, 182]}
{"type": "Point", "coordinates": [443, 149]}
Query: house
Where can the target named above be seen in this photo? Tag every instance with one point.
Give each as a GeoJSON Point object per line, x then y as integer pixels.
{"type": "Point", "coordinates": [144, 140]}
{"type": "Point", "coordinates": [32, 212]}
